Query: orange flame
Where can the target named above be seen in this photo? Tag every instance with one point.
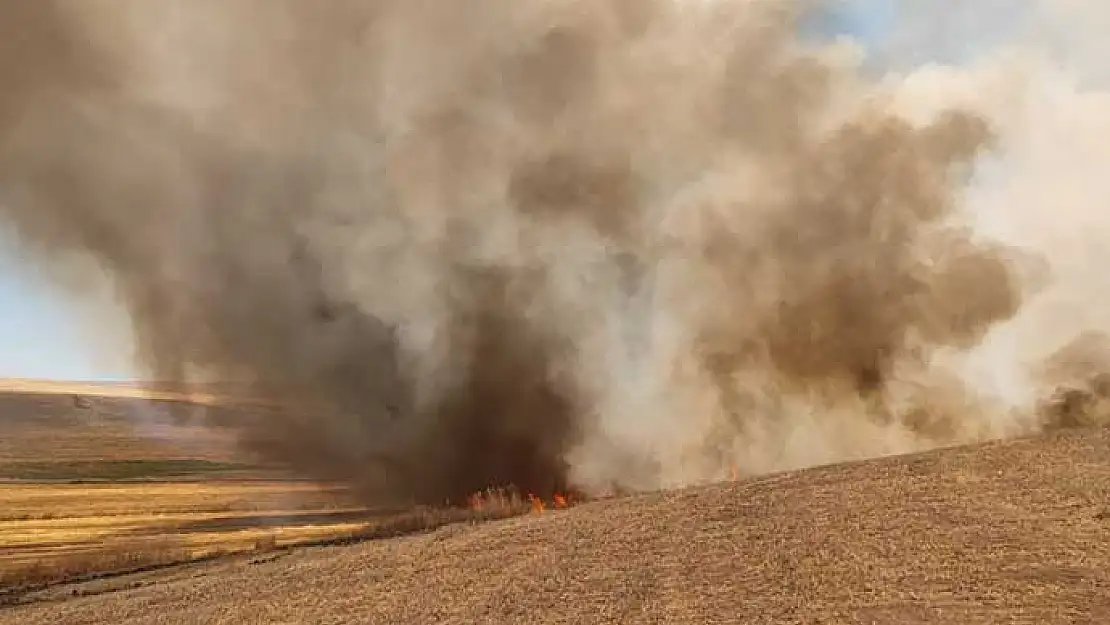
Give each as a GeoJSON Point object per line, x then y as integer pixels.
{"type": "Point", "coordinates": [494, 500]}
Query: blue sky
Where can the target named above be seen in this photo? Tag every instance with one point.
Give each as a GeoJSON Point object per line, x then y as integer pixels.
{"type": "Point", "coordinates": [864, 19]}
{"type": "Point", "coordinates": [39, 336]}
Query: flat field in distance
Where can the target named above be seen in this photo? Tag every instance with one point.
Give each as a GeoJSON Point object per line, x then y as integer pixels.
{"type": "Point", "coordinates": [95, 483]}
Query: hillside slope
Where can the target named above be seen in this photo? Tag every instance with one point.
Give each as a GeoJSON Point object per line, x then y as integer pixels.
{"type": "Point", "coordinates": [202, 393]}
{"type": "Point", "coordinates": [59, 428]}
{"type": "Point", "coordinates": [1005, 532]}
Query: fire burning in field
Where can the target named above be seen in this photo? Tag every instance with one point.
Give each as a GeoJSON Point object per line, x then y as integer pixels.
{"type": "Point", "coordinates": [603, 244]}
{"type": "Point", "coordinates": [498, 500]}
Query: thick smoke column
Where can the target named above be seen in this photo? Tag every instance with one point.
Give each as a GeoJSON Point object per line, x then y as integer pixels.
{"type": "Point", "coordinates": [622, 242]}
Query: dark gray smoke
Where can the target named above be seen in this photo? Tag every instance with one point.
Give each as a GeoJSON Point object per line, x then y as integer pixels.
{"type": "Point", "coordinates": [487, 243]}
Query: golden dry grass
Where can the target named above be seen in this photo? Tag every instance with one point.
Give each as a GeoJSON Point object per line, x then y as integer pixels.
{"type": "Point", "coordinates": [49, 532]}
{"type": "Point", "coordinates": [108, 484]}
{"type": "Point", "coordinates": [1015, 532]}
{"type": "Point", "coordinates": [83, 492]}
{"type": "Point", "coordinates": [1006, 532]}
{"type": "Point", "coordinates": [88, 535]}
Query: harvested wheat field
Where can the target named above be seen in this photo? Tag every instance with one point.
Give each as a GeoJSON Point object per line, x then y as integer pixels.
{"type": "Point", "coordinates": [98, 484]}
{"type": "Point", "coordinates": [1005, 532]}
{"type": "Point", "coordinates": [53, 532]}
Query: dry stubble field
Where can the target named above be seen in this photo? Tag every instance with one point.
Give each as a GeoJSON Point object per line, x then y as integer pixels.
{"type": "Point", "coordinates": [1015, 532]}
{"type": "Point", "coordinates": [105, 484]}
{"type": "Point", "coordinates": [1010, 532]}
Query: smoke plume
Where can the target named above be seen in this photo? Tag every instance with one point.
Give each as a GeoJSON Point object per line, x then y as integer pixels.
{"type": "Point", "coordinates": [609, 243]}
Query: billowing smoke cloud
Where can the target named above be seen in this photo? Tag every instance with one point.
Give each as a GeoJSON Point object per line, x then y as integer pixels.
{"type": "Point", "coordinates": [1038, 68]}
{"type": "Point", "coordinates": [615, 242]}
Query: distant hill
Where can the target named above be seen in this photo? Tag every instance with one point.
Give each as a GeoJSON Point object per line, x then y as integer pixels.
{"type": "Point", "coordinates": [74, 425]}
{"type": "Point", "coordinates": [207, 393]}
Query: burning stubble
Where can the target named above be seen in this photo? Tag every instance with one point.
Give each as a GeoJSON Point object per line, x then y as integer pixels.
{"type": "Point", "coordinates": [542, 244]}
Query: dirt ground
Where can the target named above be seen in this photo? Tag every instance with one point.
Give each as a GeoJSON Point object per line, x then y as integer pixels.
{"type": "Point", "coordinates": [1015, 532]}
